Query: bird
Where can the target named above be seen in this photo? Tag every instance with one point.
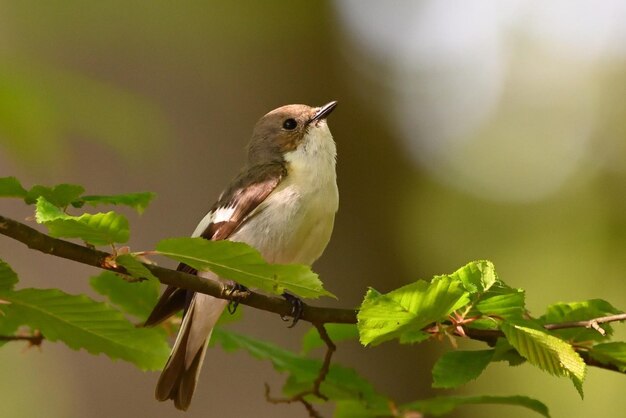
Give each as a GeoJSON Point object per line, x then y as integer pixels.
{"type": "Point", "coordinates": [283, 203]}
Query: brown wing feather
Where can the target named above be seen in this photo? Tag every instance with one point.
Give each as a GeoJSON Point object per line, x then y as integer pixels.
{"type": "Point", "coordinates": [245, 194]}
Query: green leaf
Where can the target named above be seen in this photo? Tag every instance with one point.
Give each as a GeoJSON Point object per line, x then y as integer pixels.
{"type": "Point", "coordinates": [63, 195]}
{"type": "Point", "coordinates": [240, 262]}
{"type": "Point", "coordinates": [580, 311]}
{"type": "Point", "coordinates": [408, 309]}
{"type": "Point", "coordinates": [504, 351]}
{"type": "Point", "coordinates": [340, 383]}
{"type": "Point", "coordinates": [283, 360]}
{"type": "Point", "coordinates": [135, 268]}
{"type": "Point", "coordinates": [228, 318]}
{"type": "Point", "coordinates": [81, 322]}
{"type": "Point", "coordinates": [137, 201]}
{"type": "Point", "coordinates": [477, 276]}
{"type": "Point", "coordinates": [610, 353]}
{"type": "Point", "coordinates": [8, 278]}
{"type": "Point", "coordinates": [60, 195]}
{"type": "Point", "coordinates": [502, 301]}
{"type": "Point", "coordinates": [136, 298]}
{"type": "Point", "coordinates": [357, 409]}
{"type": "Point", "coordinates": [98, 229]}
{"type": "Point", "coordinates": [336, 332]}
{"type": "Point", "coordinates": [380, 318]}
{"type": "Point", "coordinates": [445, 404]}
{"type": "Point", "coordinates": [456, 368]}
{"type": "Point", "coordinates": [546, 351]}
{"type": "Point", "coordinates": [11, 187]}
{"type": "Point", "coordinates": [414, 337]}
{"type": "Point", "coordinates": [8, 323]}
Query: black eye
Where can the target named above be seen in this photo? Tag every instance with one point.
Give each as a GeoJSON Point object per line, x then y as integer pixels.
{"type": "Point", "coordinates": [290, 124]}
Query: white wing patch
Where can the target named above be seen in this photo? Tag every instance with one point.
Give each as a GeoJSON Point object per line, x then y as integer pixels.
{"type": "Point", "coordinates": [222, 214]}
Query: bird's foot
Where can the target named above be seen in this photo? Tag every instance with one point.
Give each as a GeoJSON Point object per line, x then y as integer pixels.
{"type": "Point", "coordinates": [236, 292]}
{"type": "Point", "coordinates": [297, 307]}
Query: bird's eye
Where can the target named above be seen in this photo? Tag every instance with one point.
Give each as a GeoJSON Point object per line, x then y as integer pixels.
{"type": "Point", "coordinates": [290, 124]}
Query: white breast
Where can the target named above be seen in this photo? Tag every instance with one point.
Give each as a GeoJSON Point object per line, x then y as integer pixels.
{"type": "Point", "coordinates": [294, 223]}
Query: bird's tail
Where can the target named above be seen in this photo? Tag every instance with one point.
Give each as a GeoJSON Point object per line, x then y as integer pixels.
{"type": "Point", "coordinates": [180, 375]}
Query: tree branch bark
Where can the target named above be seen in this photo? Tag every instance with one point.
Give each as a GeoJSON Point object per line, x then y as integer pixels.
{"type": "Point", "coordinates": [315, 315]}
{"type": "Point", "coordinates": [35, 339]}
{"type": "Point", "coordinates": [41, 242]}
{"type": "Point", "coordinates": [590, 323]}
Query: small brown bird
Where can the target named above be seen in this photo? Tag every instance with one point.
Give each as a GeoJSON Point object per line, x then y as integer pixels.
{"type": "Point", "coordinates": [283, 203]}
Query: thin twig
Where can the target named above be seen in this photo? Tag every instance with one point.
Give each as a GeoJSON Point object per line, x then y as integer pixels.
{"type": "Point", "coordinates": [330, 350]}
{"type": "Point", "coordinates": [321, 376]}
{"type": "Point", "coordinates": [590, 323]}
{"type": "Point", "coordinates": [490, 336]}
{"type": "Point", "coordinates": [34, 340]}
{"type": "Point", "coordinates": [313, 413]}
{"type": "Point", "coordinates": [595, 363]}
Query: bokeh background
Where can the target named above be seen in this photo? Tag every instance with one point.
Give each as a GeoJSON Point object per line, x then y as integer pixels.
{"type": "Point", "coordinates": [466, 130]}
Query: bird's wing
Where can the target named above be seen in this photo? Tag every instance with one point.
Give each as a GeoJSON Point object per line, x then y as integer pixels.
{"type": "Point", "coordinates": [240, 200]}
{"type": "Point", "coordinates": [233, 208]}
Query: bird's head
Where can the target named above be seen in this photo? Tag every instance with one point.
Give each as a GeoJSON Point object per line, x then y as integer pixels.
{"type": "Point", "coordinates": [288, 129]}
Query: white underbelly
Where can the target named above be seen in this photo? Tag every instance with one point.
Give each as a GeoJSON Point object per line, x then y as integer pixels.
{"type": "Point", "coordinates": [291, 228]}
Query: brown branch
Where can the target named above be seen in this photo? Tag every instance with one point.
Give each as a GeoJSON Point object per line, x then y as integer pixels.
{"type": "Point", "coordinates": [71, 251]}
{"type": "Point", "coordinates": [590, 323]}
{"type": "Point", "coordinates": [595, 363]}
{"type": "Point", "coordinates": [34, 340]}
{"type": "Point", "coordinates": [490, 336]}
{"type": "Point", "coordinates": [330, 350]}
{"type": "Point", "coordinates": [315, 315]}
{"type": "Point", "coordinates": [313, 413]}
{"type": "Point", "coordinates": [321, 376]}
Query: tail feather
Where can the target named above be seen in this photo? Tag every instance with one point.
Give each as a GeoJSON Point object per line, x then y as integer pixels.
{"type": "Point", "coordinates": [188, 381]}
{"type": "Point", "coordinates": [171, 301]}
{"type": "Point", "coordinates": [180, 375]}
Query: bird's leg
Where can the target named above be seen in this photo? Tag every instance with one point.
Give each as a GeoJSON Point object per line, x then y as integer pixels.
{"type": "Point", "coordinates": [297, 307]}
{"type": "Point", "coordinates": [236, 292]}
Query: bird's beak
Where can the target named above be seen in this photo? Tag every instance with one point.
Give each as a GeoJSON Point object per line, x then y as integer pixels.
{"type": "Point", "coordinates": [324, 111]}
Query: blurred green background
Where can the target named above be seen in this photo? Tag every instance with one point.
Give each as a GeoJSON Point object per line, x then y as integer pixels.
{"type": "Point", "coordinates": [465, 130]}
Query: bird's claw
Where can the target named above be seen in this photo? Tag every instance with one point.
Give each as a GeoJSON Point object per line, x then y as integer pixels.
{"type": "Point", "coordinates": [297, 307]}
{"type": "Point", "coordinates": [232, 306]}
{"type": "Point", "coordinates": [237, 292]}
